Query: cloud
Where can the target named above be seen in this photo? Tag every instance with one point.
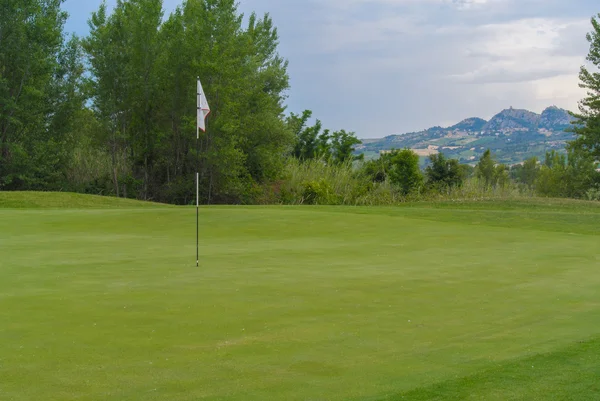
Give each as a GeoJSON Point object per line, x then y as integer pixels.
{"type": "Point", "coordinates": [523, 50]}
{"type": "Point", "coordinates": [380, 67]}
{"type": "Point", "coordinates": [417, 64]}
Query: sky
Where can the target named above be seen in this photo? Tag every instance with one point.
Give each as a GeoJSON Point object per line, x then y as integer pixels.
{"type": "Point", "coordinates": [383, 67]}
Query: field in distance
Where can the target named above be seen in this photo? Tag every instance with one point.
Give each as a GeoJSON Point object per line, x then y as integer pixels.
{"type": "Point", "coordinates": [100, 299]}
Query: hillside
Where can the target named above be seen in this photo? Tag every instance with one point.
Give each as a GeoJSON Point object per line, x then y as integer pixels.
{"type": "Point", "coordinates": [513, 135]}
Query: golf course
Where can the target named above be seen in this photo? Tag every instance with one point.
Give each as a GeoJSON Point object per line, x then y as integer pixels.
{"type": "Point", "coordinates": [101, 299]}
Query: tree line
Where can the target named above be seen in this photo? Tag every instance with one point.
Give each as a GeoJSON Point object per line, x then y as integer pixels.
{"type": "Point", "coordinates": [113, 113]}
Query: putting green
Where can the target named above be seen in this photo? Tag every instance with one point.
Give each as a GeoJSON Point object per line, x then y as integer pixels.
{"type": "Point", "coordinates": [487, 301]}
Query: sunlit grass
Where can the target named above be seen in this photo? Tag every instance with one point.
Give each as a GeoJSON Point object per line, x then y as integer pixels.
{"type": "Point", "coordinates": [441, 301]}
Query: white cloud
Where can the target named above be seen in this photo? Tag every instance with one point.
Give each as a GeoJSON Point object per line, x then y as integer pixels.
{"type": "Point", "coordinates": [419, 63]}
{"type": "Point", "coordinates": [522, 50]}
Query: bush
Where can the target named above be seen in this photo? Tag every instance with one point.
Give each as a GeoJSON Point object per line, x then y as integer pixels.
{"type": "Point", "coordinates": [593, 194]}
{"type": "Point", "coordinates": [570, 176]}
{"type": "Point", "coordinates": [317, 182]}
{"type": "Point", "coordinates": [404, 170]}
{"type": "Point", "coordinates": [318, 193]}
{"type": "Point", "coordinates": [491, 173]}
{"type": "Point", "coordinates": [443, 172]}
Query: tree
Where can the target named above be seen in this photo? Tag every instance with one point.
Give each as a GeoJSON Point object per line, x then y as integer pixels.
{"type": "Point", "coordinates": [105, 47]}
{"type": "Point", "coordinates": [587, 122]}
{"type": "Point", "coordinates": [486, 168]}
{"type": "Point", "coordinates": [527, 173]}
{"type": "Point", "coordinates": [467, 170]}
{"type": "Point", "coordinates": [142, 20]}
{"type": "Point", "coordinates": [443, 172]}
{"type": "Point", "coordinates": [376, 170]}
{"type": "Point", "coordinates": [501, 175]}
{"type": "Point", "coordinates": [39, 95]}
{"type": "Point", "coordinates": [342, 146]}
{"type": "Point", "coordinates": [144, 71]}
{"type": "Point", "coordinates": [312, 143]}
{"type": "Point", "coordinates": [404, 170]}
{"type": "Point", "coordinates": [570, 175]}
{"type": "Point", "coordinates": [491, 173]}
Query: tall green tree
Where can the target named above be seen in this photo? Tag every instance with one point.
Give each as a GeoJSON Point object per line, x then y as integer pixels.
{"type": "Point", "coordinates": [39, 94]}
{"type": "Point", "coordinates": [245, 80]}
{"type": "Point", "coordinates": [443, 172]}
{"type": "Point", "coordinates": [377, 169]}
{"type": "Point", "coordinates": [587, 124]}
{"type": "Point", "coordinates": [568, 175]}
{"type": "Point", "coordinates": [528, 173]}
{"type": "Point", "coordinates": [310, 141]}
{"type": "Point", "coordinates": [491, 173]}
{"type": "Point", "coordinates": [553, 176]}
{"type": "Point", "coordinates": [123, 51]}
{"type": "Point", "coordinates": [343, 145]}
{"type": "Point", "coordinates": [142, 19]}
{"type": "Point", "coordinates": [486, 168]}
{"type": "Point", "coordinates": [108, 58]}
{"type": "Point", "coordinates": [144, 70]}
{"type": "Point", "coordinates": [403, 170]}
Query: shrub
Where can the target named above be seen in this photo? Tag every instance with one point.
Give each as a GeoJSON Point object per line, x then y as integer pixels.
{"type": "Point", "coordinates": [404, 170]}
{"type": "Point", "coordinates": [318, 193]}
{"type": "Point", "coordinates": [443, 172]}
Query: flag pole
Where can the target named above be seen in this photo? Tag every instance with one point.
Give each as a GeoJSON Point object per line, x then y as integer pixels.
{"type": "Point", "coordinates": [202, 111]}
{"type": "Point", "coordinates": [197, 178]}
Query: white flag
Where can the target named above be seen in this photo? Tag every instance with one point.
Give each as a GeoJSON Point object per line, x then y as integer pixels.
{"type": "Point", "coordinates": [203, 109]}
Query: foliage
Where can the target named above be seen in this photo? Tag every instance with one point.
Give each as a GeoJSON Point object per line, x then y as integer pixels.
{"type": "Point", "coordinates": [474, 190]}
{"type": "Point", "coordinates": [342, 146]}
{"type": "Point", "coordinates": [376, 169]}
{"type": "Point", "coordinates": [114, 114]}
{"type": "Point", "coordinates": [587, 124]}
{"type": "Point", "coordinates": [571, 175]}
{"type": "Point", "coordinates": [443, 172]}
{"type": "Point", "coordinates": [490, 173]}
{"type": "Point", "coordinates": [399, 167]}
{"type": "Point", "coordinates": [318, 182]}
{"type": "Point", "coordinates": [40, 78]}
{"type": "Point", "coordinates": [144, 71]}
{"type": "Point", "coordinates": [486, 168]}
{"type": "Point", "coordinates": [467, 170]}
{"type": "Point", "coordinates": [404, 170]}
{"type": "Point", "coordinates": [318, 192]}
{"type": "Point", "coordinates": [312, 143]}
{"type": "Point", "coordinates": [526, 173]}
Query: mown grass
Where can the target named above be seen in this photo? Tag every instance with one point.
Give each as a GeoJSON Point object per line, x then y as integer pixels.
{"type": "Point", "coordinates": [565, 374]}
{"type": "Point", "coordinates": [442, 301]}
{"type": "Point", "coordinates": [66, 200]}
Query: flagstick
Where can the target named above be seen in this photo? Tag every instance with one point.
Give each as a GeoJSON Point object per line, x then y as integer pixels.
{"type": "Point", "coordinates": [202, 107]}
{"type": "Point", "coordinates": [197, 194]}
{"type": "Point", "coordinates": [197, 183]}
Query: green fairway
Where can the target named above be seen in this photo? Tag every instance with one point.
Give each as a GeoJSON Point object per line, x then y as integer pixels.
{"type": "Point", "coordinates": [478, 301]}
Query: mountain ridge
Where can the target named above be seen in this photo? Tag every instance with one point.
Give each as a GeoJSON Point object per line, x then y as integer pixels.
{"type": "Point", "coordinates": [512, 134]}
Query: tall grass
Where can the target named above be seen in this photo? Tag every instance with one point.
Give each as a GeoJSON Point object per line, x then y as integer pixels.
{"type": "Point", "coordinates": [317, 182]}
{"type": "Point", "coordinates": [474, 189]}
{"type": "Point", "coordinates": [92, 171]}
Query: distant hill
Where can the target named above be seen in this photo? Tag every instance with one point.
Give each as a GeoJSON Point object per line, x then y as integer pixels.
{"type": "Point", "coordinates": [513, 135]}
